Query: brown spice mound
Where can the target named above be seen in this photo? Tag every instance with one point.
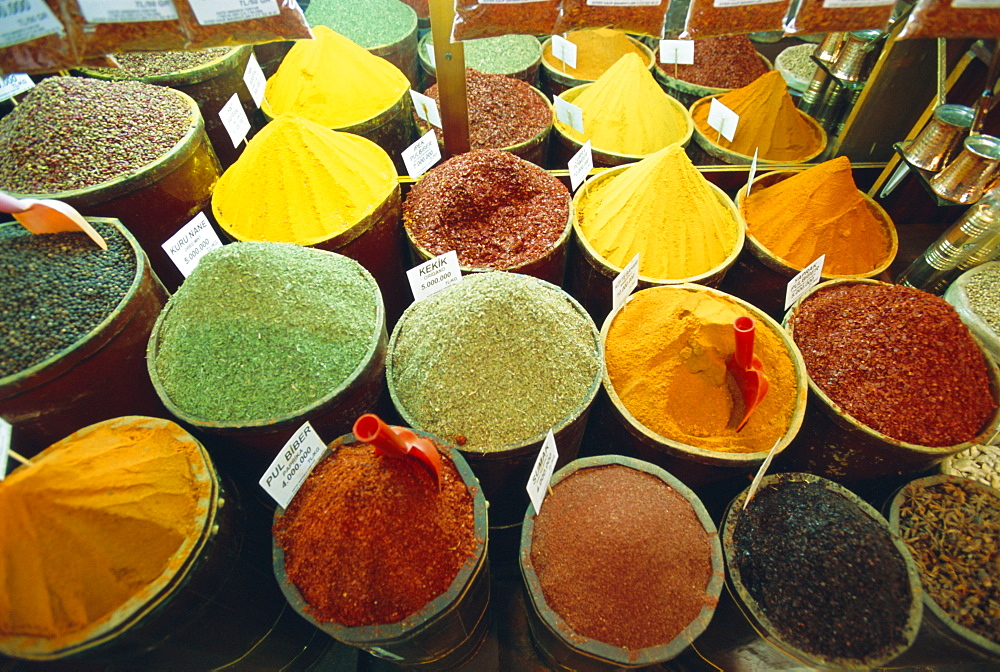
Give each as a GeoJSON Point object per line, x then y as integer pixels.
{"type": "Point", "coordinates": [369, 540]}
{"type": "Point", "coordinates": [728, 62]}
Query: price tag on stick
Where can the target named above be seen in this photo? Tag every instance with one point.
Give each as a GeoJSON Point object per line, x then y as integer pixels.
{"type": "Point", "coordinates": [569, 114]}
{"type": "Point", "coordinates": [194, 240]}
{"type": "Point", "coordinates": [805, 280]}
{"type": "Point", "coordinates": [722, 119]}
{"type": "Point", "coordinates": [624, 283]}
{"type": "Point", "coordinates": [760, 473]}
{"type": "Point", "coordinates": [235, 120]}
{"type": "Point", "coordinates": [541, 473]}
{"type": "Point", "coordinates": [753, 172]}
{"type": "Point", "coordinates": [680, 52]}
{"type": "Point", "coordinates": [433, 275]}
{"type": "Point", "coordinates": [564, 50]}
{"type": "Point", "coordinates": [12, 85]}
{"type": "Point", "coordinates": [6, 430]}
{"type": "Point", "coordinates": [580, 166]}
{"type": "Point", "coordinates": [254, 78]}
{"type": "Point", "coordinates": [422, 155]}
{"type": "Point", "coordinates": [426, 108]}
{"type": "Point", "coordinates": [295, 461]}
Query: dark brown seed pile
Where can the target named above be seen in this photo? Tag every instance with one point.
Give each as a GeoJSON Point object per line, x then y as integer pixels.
{"type": "Point", "coordinates": [503, 111]}
{"type": "Point", "coordinates": [56, 288]}
{"type": "Point", "coordinates": [136, 64]}
{"type": "Point", "coordinates": [953, 532]}
{"type": "Point", "coordinates": [494, 209]}
{"type": "Point", "coordinates": [74, 132]}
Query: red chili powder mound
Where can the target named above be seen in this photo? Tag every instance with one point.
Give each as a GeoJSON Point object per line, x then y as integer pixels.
{"type": "Point", "coordinates": [622, 557]}
{"type": "Point", "coordinates": [369, 540]}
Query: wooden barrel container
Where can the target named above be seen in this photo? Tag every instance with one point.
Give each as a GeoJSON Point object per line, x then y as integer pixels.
{"type": "Point", "coordinates": [555, 82]}
{"type": "Point", "coordinates": [687, 92]}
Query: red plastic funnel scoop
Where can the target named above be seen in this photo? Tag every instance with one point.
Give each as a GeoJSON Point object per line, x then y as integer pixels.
{"type": "Point", "coordinates": [746, 370]}
{"type": "Point", "coordinates": [398, 442]}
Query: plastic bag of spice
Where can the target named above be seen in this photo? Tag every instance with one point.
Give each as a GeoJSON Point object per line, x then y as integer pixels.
{"type": "Point", "coordinates": [225, 23]}
{"type": "Point", "coordinates": [492, 19]}
{"type": "Point", "coordinates": [953, 18]}
{"type": "Point", "coordinates": [825, 16]}
{"type": "Point", "coordinates": [104, 30]}
{"type": "Point", "coordinates": [34, 38]}
{"type": "Point", "coordinates": [640, 17]}
{"type": "Point", "coordinates": [711, 18]}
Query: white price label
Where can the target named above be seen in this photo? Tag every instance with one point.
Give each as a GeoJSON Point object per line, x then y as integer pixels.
{"type": "Point", "coordinates": [6, 431]}
{"type": "Point", "coordinates": [622, 3]}
{"type": "Point", "coordinates": [569, 114]}
{"type": "Point", "coordinates": [295, 461]}
{"type": "Point", "coordinates": [680, 52]}
{"type": "Point", "coordinates": [976, 4]}
{"type": "Point", "coordinates": [210, 12]}
{"type": "Point", "coordinates": [803, 281]}
{"type": "Point", "coordinates": [541, 473]}
{"type": "Point", "coordinates": [426, 108]}
{"type": "Point", "coordinates": [11, 85]}
{"type": "Point", "coordinates": [624, 283]}
{"type": "Point", "coordinates": [430, 53]}
{"type": "Point", "coordinates": [580, 165]}
{"type": "Point", "coordinates": [433, 275]}
{"type": "Point", "coordinates": [255, 80]}
{"type": "Point", "coordinates": [564, 50]}
{"type": "Point", "coordinates": [753, 172]}
{"type": "Point", "coordinates": [235, 120]}
{"type": "Point", "coordinates": [760, 473]}
{"type": "Point", "coordinates": [194, 240]}
{"type": "Point", "coordinates": [851, 4]}
{"type": "Point", "coordinates": [127, 11]}
{"type": "Point", "coordinates": [722, 119]}
{"type": "Point", "coordinates": [25, 20]}
{"type": "Point", "coordinates": [422, 155]}
{"type": "Point", "coordinates": [742, 3]}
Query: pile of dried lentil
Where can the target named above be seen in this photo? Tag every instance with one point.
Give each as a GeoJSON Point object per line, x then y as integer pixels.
{"type": "Point", "coordinates": [494, 209]}
{"type": "Point", "coordinates": [953, 531]}
{"type": "Point", "coordinates": [898, 360]}
{"type": "Point", "coordinates": [138, 64]}
{"type": "Point", "coordinates": [56, 289]}
{"type": "Point", "coordinates": [728, 62]}
{"type": "Point", "coordinates": [503, 111]}
{"type": "Point", "coordinates": [75, 132]}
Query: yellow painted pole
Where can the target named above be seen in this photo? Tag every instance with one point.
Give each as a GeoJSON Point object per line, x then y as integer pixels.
{"type": "Point", "coordinates": [449, 65]}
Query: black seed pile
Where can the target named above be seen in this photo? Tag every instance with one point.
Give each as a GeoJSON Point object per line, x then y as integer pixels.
{"type": "Point", "coordinates": [136, 64]}
{"type": "Point", "coordinates": [74, 132]}
{"type": "Point", "coordinates": [826, 575]}
{"type": "Point", "coordinates": [56, 288]}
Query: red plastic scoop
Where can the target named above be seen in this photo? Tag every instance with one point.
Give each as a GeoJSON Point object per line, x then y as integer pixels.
{"type": "Point", "coordinates": [746, 370]}
{"type": "Point", "coordinates": [48, 216]}
{"type": "Point", "coordinates": [398, 442]}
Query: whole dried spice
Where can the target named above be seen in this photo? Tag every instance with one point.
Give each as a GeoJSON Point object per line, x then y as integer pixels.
{"type": "Point", "coordinates": [370, 539]}
{"type": "Point", "coordinates": [138, 64]}
{"type": "Point", "coordinates": [503, 111]}
{"type": "Point", "coordinates": [495, 210]}
{"type": "Point", "coordinates": [953, 531]}
{"type": "Point", "coordinates": [711, 18]}
{"type": "Point", "coordinates": [817, 16]}
{"type": "Point", "coordinates": [983, 290]}
{"type": "Point", "coordinates": [640, 19]}
{"type": "Point", "coordinates": [622, 557]}
{"type": "Point", "coordinates": [727, 62]}
{"type": "Point", "coordinates": [944, 18]}
{"type": "Point", "coordinates": [897, 359]}
{"type": "Point", "coordinates": [483, 19]}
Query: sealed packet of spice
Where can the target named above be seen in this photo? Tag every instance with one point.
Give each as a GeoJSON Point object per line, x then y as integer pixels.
{"type": "Point", "coordinates": [711, 18]}
{"type": "Point", "coordinates": [953, 18]}
{"type": "Point", "coordinates": [493, 18]}
{"type": "Point", "coordinates": [104, 30]}
{"type": "Point", "coordinates": [640, 17]}
{"type": "Point", "coordinates": [224, 23]}
{"type": "Point", "coordinates": [825, 16]}
{"type": "Point", "coordinates": [35, 38]}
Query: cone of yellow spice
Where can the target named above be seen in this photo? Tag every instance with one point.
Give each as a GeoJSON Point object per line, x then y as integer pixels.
{"type": "Point", "coordinates": [626, 112]}
{"type": "Point", "coordinates": [299, 182]}
{"type": "Point", "coordinates": [95, 528]}
{"type": "Point", "coordinates": [663, 209]}
{"type": "Point", "coordinates": [769, 123]}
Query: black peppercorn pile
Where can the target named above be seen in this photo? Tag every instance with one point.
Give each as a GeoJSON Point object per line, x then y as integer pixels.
{"type": "Point", "coordinates": [56, 288]}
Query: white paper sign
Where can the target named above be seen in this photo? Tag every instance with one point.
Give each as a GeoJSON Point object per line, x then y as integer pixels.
{"type": "Point", "coordinates": [255, 80]}
{"type": "Point", "coordinates": [805, 280]}
{"type": "Point", "coordinates": [235, 120]}
{"type": "Point", "coordinates": [760, 473]}
{"type": "Point", "coordinates": [24, 20]}
{"type": "Point", "coordinates": [753, 172]}
{"type": "Point", "coordinates": [295, 461]}
{"type": "Point", "coordinates": [976, 4]}
{"type": "Point", "coordinates": [569, 114]}
{"type": "Point", "coordinates": [422, 155]}
{"type": "Point", "coordinates": [580, 165]}
{"type": "Point", "coordinates": [564, 50]}
{"type": "Point", "coordinates": [426, 108]}
{"type": "Point", "coordinates": [742, 3]}
{"type": "Point", "coordinates": [11, 85]}
{"type": "Point", "coordinates": [127, 11]}
{"type": "Point", "coordinates": [541, 473]}
{"type": "Point", "coordinates": [433, 275]}
{"type": "Point", "coordinates": [722, 119]}
{"type": "Point", "coordinates": [194, 240]}
{"type": "Point", "coordinates": [210, 12]}
{"type": "Point", "coordinates": [5, 434]}
{"type": "Point", "coordinates": [680, 52]}
{"type": "Point", "coordinates": [430, 52]}
{"type": "Point", "coordinates": [622, 3]}
{"type": "Point", "coordinates": [851, 4]}
{"type": "Point", "coordinates": [624, 283]}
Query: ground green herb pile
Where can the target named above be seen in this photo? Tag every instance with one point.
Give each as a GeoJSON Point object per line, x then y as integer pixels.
{"type": "Point", "coordinates": [262, 330]}
{"type": "Point", "coordinates": [369, 23]}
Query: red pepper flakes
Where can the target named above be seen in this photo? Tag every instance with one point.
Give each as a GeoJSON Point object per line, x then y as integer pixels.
{"type": "Point", "coordinates": [476, 19]}
{"type": "Point", "coordinates": [940, 18]}
{"type": "Point", "coordinates": [704, 19]}
{"type": "Point", "coordinates": [727, 62]}
{"type": "Point", "coordinates": [897, 359]}
{"type": "Point", "coordinates": [288, 24]}
{"type": "Point", "coordinates": [369, 539]}
{"type": "Point", "coordinates": [813, 17]}
{"type": "Point", "coordinates": [622, 557]}
{"type": "Point", "coordinates": [639, 20]}
{"type": "Point", "coordinates": [494, 209]}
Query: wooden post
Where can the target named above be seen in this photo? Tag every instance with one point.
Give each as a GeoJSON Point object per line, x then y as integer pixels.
{"type": "Point", "coordinates": [449, 65]}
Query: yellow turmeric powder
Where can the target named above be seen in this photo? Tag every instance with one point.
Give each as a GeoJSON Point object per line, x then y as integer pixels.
{"type": "Point", "coordinates": [299, 182]}
{"type": "Point", "coordinates": [663, 209]}
{"type": "Point", "coordinates": [819, 211]}
{"type": "Point", "coordinates": [596, 51]}
{"type": "Point", "coordinates": [666, 354]}
{"type": "Point", "coordinates": [625, 111]}
{"type": "Point", "coordinates": [96, 526]}
{"type": "Point", "coordinates": [334, 82]}
{"type": "Point", "coordinates": [769, 122]}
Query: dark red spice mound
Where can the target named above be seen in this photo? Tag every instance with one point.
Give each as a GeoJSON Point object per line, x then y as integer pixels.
{"type": "Point", "coordinates": [897, 359]}
{"type": "Point", "coordinates": [728, 62]}
{"type": "Point", "coordinates": [369, 540]}
{"type": "Point", "coordinates": [621, 557]}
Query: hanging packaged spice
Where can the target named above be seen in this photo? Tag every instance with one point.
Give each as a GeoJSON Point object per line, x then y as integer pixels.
{"type": "Point", "coordinates": [711, 18]}
{"type": "Point", "coordinates": [474, 18]}
{"type": "Point", "coordinates": [953, 18]}
{"type": "Point", "coordinates": [217, 24]}
{"type": "Point", "coordinates": [34, 39]}
{"type": "Point", "coordinates": [641, 17]}
{"type": "Point", "coordinates": [823, 16]}
{"type": "Point", "coordinates": [105, 30]}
